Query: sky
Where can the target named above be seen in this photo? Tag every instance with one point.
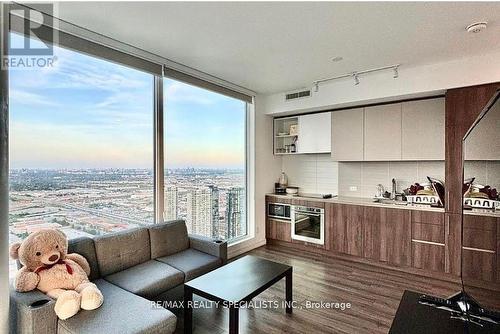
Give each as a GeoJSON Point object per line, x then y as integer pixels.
{"type": "Point", "coordinates": [89, 113]}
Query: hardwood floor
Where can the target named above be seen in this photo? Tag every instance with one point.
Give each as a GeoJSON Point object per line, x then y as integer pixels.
{"type": "Point", "coordinates": [374, 294]}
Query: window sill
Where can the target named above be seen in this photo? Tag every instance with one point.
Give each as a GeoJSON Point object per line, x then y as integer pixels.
{"type": "Point", "coordinates": [244, 245]}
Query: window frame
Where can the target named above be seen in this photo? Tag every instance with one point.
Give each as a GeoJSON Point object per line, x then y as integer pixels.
{"type": "Point", "coordinates": [246, 171]}
{"type": "Point", "coordinates": [248, 234]}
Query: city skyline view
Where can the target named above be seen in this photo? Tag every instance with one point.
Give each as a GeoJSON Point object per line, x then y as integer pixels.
{"type": "Point", "coordinates": [95, 202]}
{"type": "Point", "coordinates": [91, 202]}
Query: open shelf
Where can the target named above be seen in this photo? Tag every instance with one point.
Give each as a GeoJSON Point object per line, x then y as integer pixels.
{"type": "Point", "coordinates": [284, 140]}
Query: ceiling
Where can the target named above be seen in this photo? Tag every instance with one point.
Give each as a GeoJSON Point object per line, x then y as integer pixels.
{"type": "Point", "coordinates": [279, 46]}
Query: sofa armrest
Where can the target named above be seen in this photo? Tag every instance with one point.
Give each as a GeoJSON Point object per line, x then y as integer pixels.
{"type": "Point", "coordinates": [32, 312]}
{"type": "Point", "coordinates": [210, 246]}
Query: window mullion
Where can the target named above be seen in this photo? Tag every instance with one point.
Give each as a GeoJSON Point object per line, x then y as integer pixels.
{"type": "Point", "coordinates": [158, 172]}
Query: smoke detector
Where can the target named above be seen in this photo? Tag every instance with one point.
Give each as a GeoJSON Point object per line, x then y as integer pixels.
{"type": "Point", "coordinates": [476, 27]}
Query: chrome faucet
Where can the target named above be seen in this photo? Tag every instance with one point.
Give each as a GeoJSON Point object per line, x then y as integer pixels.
{"type": "Point", "coordinates": [380, 191]}
{"type": "Point", "coordinates": [393, 191]}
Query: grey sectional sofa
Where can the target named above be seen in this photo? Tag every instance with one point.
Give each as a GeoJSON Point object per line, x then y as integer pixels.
{"type": "Point", "coordinates": [132, 268]}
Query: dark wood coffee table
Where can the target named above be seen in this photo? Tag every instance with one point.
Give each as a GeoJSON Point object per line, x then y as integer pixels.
{"type": "Point", "coordinates": [235, 284]}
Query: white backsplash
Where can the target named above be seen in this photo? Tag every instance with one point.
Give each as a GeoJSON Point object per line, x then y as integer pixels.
{"type": "Point", "coordinates": [318, 173]}
{"type": "Point", "coordinates": [485, 172]}
{"type": "Point", "coordinates": [365, 176]}
{"type": "Point", "coordinates": [312, 173]}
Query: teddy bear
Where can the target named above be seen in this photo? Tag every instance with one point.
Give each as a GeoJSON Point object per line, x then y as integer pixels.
{"type": "Point", "coordinates": [48, 268]}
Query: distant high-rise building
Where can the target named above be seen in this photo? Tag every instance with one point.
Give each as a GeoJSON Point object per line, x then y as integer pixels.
{"type": "Point", "coordinates": [222, 228]}
{"type": "Point", "coordinates": [235, 212]}
{"type": "Point", "coordinates": [170, 203]}
{"type": "Point", "coordinates": [203, 210]}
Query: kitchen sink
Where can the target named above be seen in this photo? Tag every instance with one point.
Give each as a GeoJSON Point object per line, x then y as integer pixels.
{"type": "Point", "coordinates": [389, 201]}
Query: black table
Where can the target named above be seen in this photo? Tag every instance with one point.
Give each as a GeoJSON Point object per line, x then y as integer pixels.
{"type": "Point", "coordinates": [235, 284]}
{"type": "Point", "coordinates": [414, 318]}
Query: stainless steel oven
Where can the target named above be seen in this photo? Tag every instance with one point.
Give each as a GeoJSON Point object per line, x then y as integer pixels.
{"type": "Point", "coordinates": [308, 224]}
{"type": "Point", "coordinates": [279, 211]}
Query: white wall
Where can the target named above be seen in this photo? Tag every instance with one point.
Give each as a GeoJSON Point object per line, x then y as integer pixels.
{"type": "Point", "coordinates": [413, 81]}
{"type": "Point", "coordinates": [266, 169]}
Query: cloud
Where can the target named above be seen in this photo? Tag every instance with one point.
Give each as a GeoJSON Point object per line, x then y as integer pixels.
{"type": "Point", "coordinates": [73, 70]}
{"type": "Point", "coordinates": [31, 99]}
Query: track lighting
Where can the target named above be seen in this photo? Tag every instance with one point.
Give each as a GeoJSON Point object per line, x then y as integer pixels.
{"type": "Point", "coordinates": [355, 75]}
{"type": "Point", "coordinates": [316, 87]}
{"type": "Point", "coordinates": [356, 78]}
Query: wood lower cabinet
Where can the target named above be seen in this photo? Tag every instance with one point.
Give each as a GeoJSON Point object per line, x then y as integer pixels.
{"type": "Point", "coordinates": [346, 235]}
{"type": "Point", "coordinates": [453, 243]}
{"type": "Point", "coordinates": [387, 235]}
{"type": "Point", "coordinates": [428, 240]}
{"type": "Point", "coordinates": [498, 250]}
{"type": "Point", "coordinates": [480, 248]}
{"type": "Point", "coordinates": [398, 234]}
{"type": "Point", "coordinates": [279, 230]}
{"type": "Point", "coordinates": [374, 244]}
{"type": "Point", "coordinates": [425, 240]}
{"type": "Point", "coordinates": [428, 256]}
{"type": "Point", "coordinates": [478, 265]}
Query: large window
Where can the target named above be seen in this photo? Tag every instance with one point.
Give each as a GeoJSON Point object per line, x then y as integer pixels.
{"type": "Point", "coordinates": [205, 161]}
{"type": "Point", "coordinates": [81, 146]}
{"type": "Point", "coordinates": [82, 139]}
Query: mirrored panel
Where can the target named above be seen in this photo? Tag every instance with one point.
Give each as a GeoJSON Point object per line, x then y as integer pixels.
{"type": "Point", "coordinates": [481, 209]}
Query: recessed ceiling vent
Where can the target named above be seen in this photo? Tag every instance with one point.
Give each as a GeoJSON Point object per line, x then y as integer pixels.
{"type": "Point", "coordinates": [298, 95]}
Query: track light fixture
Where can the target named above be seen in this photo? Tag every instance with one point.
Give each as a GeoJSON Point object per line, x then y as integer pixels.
{"type": "Point", "coordinates": [355, 75]}
{"type": "Point", "coordinates": [356, 78]}
{"type": "Point", "coordinates": [396, 72]}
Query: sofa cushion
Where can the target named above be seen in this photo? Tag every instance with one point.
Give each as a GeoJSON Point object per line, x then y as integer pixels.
{"type": "Point", "coordinates": [122, 250]}
{"type": "Point", "coordinates": [122, 312]}
{"type": "Point", "coordinates": [192, 262]}
{"type": "Point", "coordinates": [147, 279]}
{"type": "Point", "coordinates": [85, 247]}
{"type": "Point", "coordinates": [168, 238]}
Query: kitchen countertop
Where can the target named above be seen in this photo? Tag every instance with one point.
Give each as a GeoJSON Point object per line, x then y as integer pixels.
{"type": "Point", "coordinates": [485, 213]}
{"type": "Point", "coordinates": [360, 201]}
{"type": "Point", "coordinates": [369, 202]}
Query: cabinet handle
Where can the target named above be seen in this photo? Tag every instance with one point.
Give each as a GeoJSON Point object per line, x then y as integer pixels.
{"type": "Point", "coordinates": [447, 198]}
{"type": "Point", "coordinates": [479, 250]}
{"type": "Point", "coordinates": [427, 242]}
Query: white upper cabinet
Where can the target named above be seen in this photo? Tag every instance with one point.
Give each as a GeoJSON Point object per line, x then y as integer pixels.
{"type": "Point", "coordinates": [423, 130]}
{"type": "Point", "coordinates": [315, 133]}
{"type": "Point", "coordinates": [382, 131]}
{"type": "Point", "coordinates": [347, 135]}
{"type": "Point", "coordinates": [408, 131]}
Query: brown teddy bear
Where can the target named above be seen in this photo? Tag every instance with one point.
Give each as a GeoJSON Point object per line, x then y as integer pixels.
{"type": "Point", "coordinates": [48, 268]}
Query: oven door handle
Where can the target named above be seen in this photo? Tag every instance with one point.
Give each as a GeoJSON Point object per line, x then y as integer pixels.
{"type": "Point", "coordinates": [309, 213]}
